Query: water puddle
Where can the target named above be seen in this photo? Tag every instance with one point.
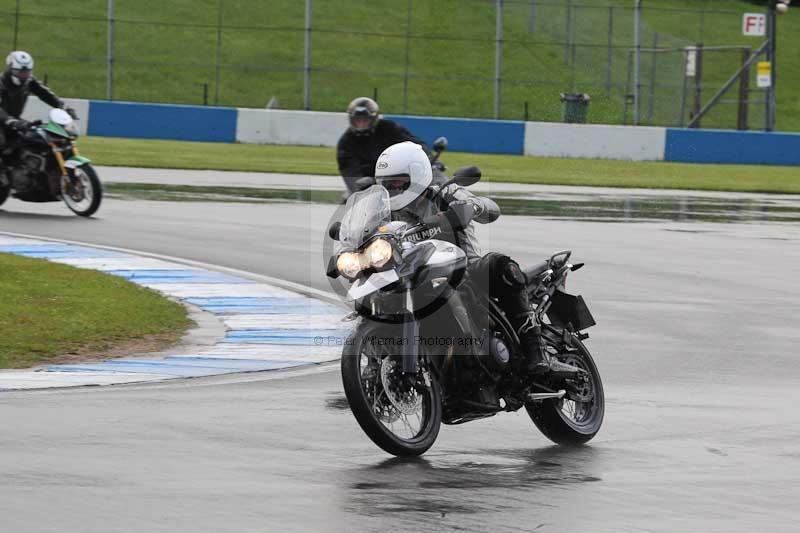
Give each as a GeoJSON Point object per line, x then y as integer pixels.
{"type": "Point", "coordinates": [574, 206]}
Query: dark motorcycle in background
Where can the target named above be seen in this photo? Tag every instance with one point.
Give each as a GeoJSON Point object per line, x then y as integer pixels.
{"type": "Point", "coordinates": [40, 163]}
{"type": "Point", "coordinates": [431, 348]}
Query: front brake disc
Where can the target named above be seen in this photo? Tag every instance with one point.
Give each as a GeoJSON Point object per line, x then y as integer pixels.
{"type": "Point", "coordinates": [404, 398]}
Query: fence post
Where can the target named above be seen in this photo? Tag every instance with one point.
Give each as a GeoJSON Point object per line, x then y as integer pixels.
{"type": "Point", "coordinates": [532, 18]}
{"type": "Point", "coordinates": [772, 22]}
{"type": "Point", "coordinates": [16, 26]}
{"type": "Point", "coordinates": [698, 88]}
{"type": "Point", "coordinates": [110, 52]}
{"type": "Point", "coordinates": [568, 32]}
{"type": "Point", "coordinates": [218, 57]}
{"type": "Point", "coordinates": [573, 48]}
{"type": "Point", "coordinates": [408, 44]}
{"type": "Point", "coordinates": [744, 92]}
{"type": "Point", "coordinates": [307, 59]}
{"type": "Point", "coordinates": [637, 60]}
{"type": "Point", "coordinates": [653, 72]}
{"type": "Point", "coordinates": [498, 56]}
{"type": "Point", "coordinates": [610, 61]}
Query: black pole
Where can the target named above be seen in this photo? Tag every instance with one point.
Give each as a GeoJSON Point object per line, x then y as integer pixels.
{"type": "Point", "coordinates": [744, 92]}
{"type": "Point", "coordinates": [526, 111]}
{"type": "Point", "coordinates": [772, 20]}
{"type": "Point", "coordinates": [205, 94]}
{"type": "Point", "coordinates": [698, 86]}
{"type": "Point", "coordinates": [375, 93]}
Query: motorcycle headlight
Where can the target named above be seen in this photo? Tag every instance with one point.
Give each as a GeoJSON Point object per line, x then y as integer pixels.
{"type": "Point", "coordinates": [349, 264]}
{"type": "Point", "coordinates": [378, 253]}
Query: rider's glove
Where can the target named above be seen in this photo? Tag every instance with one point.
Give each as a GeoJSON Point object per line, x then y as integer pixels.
{"type": "Point", "coordinates": [17, 123]}
{"type": "Point", "coordinates": [71, 112]}
{"type": "Point", "coordinates": [477, 205]}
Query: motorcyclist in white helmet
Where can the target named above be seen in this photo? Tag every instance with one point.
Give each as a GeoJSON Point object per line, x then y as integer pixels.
{"type": "Point", "coordinates": [16, 84]}
{"type": "Point", "coordinates": [405, 171]}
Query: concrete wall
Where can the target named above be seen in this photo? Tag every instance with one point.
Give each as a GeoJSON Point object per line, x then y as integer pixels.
{"type": "Point", "coordinates": [195, 123]}
{"type": "Point", "coordinates": [466, 135]}
{"type": "Point", "coordinates": [35, 109]}
{"type": "Point", "coordinates": [155, 121]}
{"type": "Point", "coordinates": [595, 142]}
{"type": "Point", "coordinates": [732, 147]}
{"type": "Point", "coordinates": [274, 126]}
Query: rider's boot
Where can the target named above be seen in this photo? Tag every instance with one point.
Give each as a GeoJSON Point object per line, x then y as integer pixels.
{"type": "Point", "coordinates": [538, 362]}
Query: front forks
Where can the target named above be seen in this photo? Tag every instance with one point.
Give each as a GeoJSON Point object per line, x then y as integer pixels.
{"type": "Point", "coordinates": [411, 337]}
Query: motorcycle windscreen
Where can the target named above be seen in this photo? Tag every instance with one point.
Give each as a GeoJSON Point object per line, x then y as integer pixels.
{"type": "Point", "coordinates": [365, 212]}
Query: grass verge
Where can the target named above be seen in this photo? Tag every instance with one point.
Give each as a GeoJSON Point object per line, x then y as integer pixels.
{"type": "Point", "coordinates": [49, 311]}
{"type": "Point", "coordinates": [497, 168]}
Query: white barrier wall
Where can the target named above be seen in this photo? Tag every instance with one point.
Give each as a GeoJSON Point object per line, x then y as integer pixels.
{"type": "Point", "coordinates": [275, 126]}
{"type": "Point", "coordinates": [35, 109]}
{"type": "Point", "coordinates": [595, 141]}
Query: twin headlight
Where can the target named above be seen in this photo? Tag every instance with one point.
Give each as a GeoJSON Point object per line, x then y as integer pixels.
{"type": "Point", "coordinates": [376, 255]}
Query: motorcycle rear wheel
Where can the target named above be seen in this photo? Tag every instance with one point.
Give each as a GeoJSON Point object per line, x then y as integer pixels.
{"type": "Point", "coordinates": [567, 421]}
{"type": "Point", "coordinates": [401, 420]}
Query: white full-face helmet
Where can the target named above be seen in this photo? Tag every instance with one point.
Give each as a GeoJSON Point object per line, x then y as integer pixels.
{"type": "Point", "coordinates": [405, 171]}
{"type": "Point", "coordinates": [19, 65]}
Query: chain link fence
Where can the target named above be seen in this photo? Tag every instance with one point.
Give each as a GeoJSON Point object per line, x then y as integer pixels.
{"type": "Point", "coordinates": [507, 59]}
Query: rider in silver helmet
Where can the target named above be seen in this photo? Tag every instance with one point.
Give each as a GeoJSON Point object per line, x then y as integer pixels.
{"type": "Point", "coordinates": [405, 171]}
{"type": "Point", "coordinates": [16, 84]}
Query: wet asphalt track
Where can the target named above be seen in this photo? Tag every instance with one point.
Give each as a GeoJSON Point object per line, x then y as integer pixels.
{"type": "Point", "coordinates": [697, 344]}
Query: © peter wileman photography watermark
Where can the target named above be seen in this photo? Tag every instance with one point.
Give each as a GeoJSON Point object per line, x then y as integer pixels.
{"type": "Point", "coordinates": [333, 340]}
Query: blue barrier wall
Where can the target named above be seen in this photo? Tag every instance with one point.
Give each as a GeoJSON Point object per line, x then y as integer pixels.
{"type": "Point", "coordinates": [732, 147]}
{"type": "Point", "coordinates": [155, 121]}
{"type": "Point", "coordinates": [216, 124]}
{"type": "Point", "coordinates": [466, 135]}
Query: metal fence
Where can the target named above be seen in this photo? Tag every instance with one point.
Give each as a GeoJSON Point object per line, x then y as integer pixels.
{"type": "Point", "coordinates": [506, 59]}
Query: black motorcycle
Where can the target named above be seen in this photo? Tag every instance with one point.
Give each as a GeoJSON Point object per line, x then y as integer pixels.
{"type": "Point", "coordinates": [430, 347]}
{"type": "Point", "coordinates": [40, 163]}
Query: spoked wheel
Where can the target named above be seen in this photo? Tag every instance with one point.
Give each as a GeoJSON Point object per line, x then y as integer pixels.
{"type": "Point", "coordinates": [576, 418]}
{"type": "Point", "coordinates": [400, 413]}
{"type": "Point", "coordinates": [83, 191]}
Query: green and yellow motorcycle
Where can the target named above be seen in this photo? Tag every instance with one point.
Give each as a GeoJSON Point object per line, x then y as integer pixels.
{"type": "Point", "coordinates": [40, 163]}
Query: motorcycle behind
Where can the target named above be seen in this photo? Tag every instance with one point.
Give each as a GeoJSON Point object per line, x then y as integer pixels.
{"type": "Point", "coordinates": [431, 347]}
{"type": "Point", "coordinates": [41, 164]}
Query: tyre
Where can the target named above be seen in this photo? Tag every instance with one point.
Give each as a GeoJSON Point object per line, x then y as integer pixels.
{"type": "Point", "coordinates": [84, 192]}
{"type": "Point", "coordinates": [4, 191]}
{"type": "Point", "coordinates": [401, 416]}
{"type": "Point", "coordinates": [576, 418]}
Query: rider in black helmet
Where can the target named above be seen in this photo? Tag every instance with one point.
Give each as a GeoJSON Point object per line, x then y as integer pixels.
{"type": "Point", "coordinates": [369, 134]}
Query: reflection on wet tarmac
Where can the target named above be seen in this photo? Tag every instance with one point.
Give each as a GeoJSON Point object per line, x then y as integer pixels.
{"type": "Point", "coordinates": [478, 481]}
{"type": "Point", "coordinates": [606, 207]}
{"type": "Point", "coordinates": [631, 208]}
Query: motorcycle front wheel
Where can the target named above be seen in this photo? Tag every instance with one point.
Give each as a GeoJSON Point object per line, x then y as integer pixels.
{"type": "Point", "coordinates": [401, 414]}
{"type": "Point", "coordinates": [576, 418]}
{"type": "Point", "coordinates": [82, 192]}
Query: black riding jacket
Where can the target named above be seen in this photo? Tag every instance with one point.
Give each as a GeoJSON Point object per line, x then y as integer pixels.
{"type": "Point", "coordinates": [13, 97]}
{"type": "Point", "coordinates": [358, 154]}
{"type": "Point", "coordinates": [425, 206]}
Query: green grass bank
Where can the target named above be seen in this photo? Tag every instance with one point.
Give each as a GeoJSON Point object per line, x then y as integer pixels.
{"type": "Point", "coordinates": [57, 312]}
{"type": "Point", "coordinates": [497, 168]}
